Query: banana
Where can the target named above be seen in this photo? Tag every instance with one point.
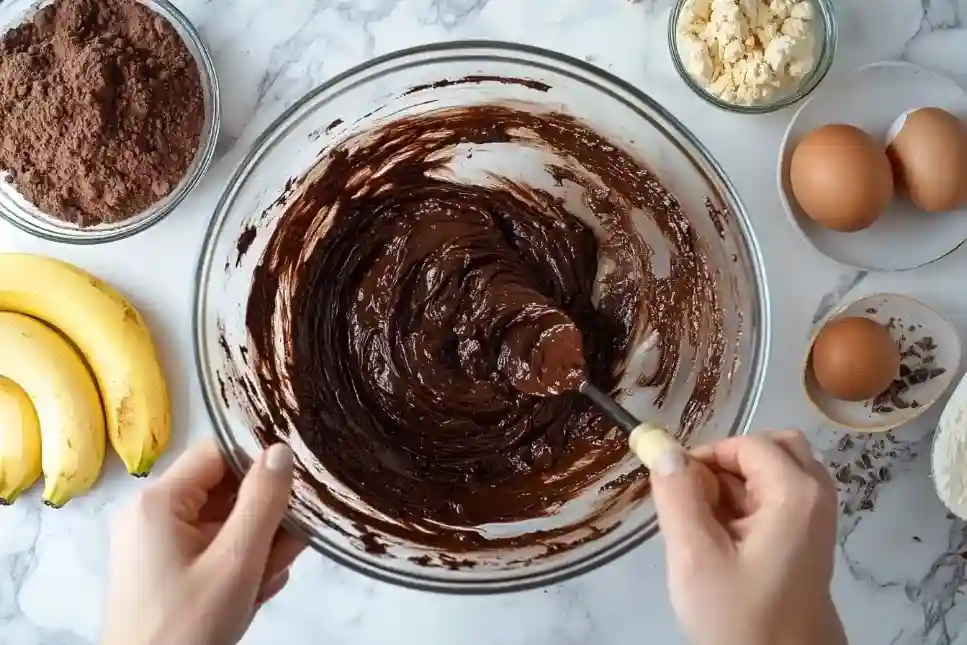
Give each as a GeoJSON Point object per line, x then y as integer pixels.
{"type": "Point", "coordinates": [67, 404]}
{"type": "Point", "coordinates": [19, 442]}
{"type": "Point", "coordinates": [113, 338]}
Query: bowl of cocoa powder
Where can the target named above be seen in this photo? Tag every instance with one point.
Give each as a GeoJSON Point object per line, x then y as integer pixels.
{"type": "Point", "coordinates": [109, 116]}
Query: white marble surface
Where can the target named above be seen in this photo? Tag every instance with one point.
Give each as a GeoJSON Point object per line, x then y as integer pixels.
{"type": "Point", "coordinates": [900, 568]}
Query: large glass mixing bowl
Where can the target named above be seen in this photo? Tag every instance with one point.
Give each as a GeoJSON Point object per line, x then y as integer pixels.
{"type": "Point", "coordinates": [408, 83]}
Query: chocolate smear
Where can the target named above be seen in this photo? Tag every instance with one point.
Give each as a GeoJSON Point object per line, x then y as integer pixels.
{"type": "Point", "coordinates": [434, 331]}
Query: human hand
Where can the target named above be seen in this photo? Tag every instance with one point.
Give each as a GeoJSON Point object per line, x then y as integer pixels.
{"type": "Point", "coordinates": [195, 554]}
{"type": "Point", "coordinates": [756, 569]}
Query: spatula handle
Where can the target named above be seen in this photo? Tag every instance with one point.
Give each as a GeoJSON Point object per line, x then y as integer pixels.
{"type": "Point", "coordinates": [648, 442]}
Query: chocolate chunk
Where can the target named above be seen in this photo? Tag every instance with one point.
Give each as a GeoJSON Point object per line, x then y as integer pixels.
{"type": "Point", "coordinates": [926, 343]}
{"type": "Point", "coordinates": [898, 402]}
{"type": "Point", "coordinates": [919, 375]}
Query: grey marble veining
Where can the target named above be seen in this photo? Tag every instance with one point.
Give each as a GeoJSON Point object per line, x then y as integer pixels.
{"type": "Point", "coordinates": [901, 565]}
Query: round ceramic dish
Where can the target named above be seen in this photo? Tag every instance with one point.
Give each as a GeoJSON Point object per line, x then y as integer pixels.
{"type": "Point", "coordinates": [24, 215]}
{"type": "Point", "coordinates": [409, 83]}
{"type": "Point", "coordinates": [871, 99]}
{"type": "Point", "coordinates": [927, 341]}
{"type": "Point", "coordinates": [826, 45]}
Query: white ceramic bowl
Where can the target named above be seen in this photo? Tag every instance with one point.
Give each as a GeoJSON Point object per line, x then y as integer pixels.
{"type": "Point", "coordinates": [910, 322]}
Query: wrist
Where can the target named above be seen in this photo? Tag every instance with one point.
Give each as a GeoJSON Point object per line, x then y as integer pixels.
{"type": "Point", "coordinates": [825, 629]}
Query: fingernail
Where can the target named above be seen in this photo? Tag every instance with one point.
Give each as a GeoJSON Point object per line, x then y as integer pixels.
{"type": "Point", "coordinates": [670, 462]}
{"type": "Point", "coordinates": [278, 458]}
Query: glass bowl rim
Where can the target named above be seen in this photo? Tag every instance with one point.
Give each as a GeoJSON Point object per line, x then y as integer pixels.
{"type": "Point", "coordinates": [204, 156]}
{"type": "Point", "coordinates": [830, 37]}
{"type": "Point", "coordinates": [403, 59]}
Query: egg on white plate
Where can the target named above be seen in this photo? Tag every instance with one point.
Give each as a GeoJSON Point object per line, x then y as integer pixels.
{"type": "Point", "coordinates": [841, 177]}
{"type": "Point", "coordinates": [928, 151]}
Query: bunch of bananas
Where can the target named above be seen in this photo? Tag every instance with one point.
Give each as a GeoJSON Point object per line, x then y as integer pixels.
{"type": "Point", "coordinates": [76, 359]}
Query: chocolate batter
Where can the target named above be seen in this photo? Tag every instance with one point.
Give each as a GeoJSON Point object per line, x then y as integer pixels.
{"type": "Point", "coordinates": [435, 332]}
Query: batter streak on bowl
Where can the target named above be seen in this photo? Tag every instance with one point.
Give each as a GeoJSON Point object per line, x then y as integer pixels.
{"type": "Point", "coordinates": [414, 309]}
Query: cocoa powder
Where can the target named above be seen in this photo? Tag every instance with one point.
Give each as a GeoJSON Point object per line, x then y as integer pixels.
{"type": "Point", "coordinates": [101, 109]}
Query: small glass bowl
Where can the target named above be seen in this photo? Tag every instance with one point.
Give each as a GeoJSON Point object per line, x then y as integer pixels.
{"type": "Point", "coordinates": [15, 209]}
{"type": "Point", "coordinates": [827, 36]}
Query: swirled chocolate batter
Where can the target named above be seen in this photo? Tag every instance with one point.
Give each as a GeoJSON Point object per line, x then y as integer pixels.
{"type": "Point", "coordinates": [424, 336]}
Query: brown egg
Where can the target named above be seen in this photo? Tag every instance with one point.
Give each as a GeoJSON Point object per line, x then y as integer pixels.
{"type": "Point", "coordinates": [841, 177]}
{"type": "Point", "coordinates": [854, 359]}
{"type": "Point", "coordinates": [928, 150]}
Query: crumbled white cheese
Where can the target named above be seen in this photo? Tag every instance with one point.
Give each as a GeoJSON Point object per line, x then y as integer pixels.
{"type": "Point", "coordinates": [765, 33]}
{"type": "Point", "coordinates": [803, 11]}
{"type": "Point", "coordinates": [747, 51]}
{"type": "Point", "coordinates": [696, 58]}
{"type": "Point", "coordinates": [782, 8]}
{"type": "Point", "coordinates": [699, 8]}
{"type": "Point", "coordinates": [727, 24]}
{"type": "Point", "coordinates": [791, 55]}
{"type": "Point", "coordinates": [796, 28]}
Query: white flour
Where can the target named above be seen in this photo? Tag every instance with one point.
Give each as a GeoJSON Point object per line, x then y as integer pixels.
{"type": "Point", "coordinates": [950, 459]}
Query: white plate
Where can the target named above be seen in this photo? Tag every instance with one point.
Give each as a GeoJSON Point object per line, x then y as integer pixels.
{"type": "Point", "coordinates": [872, 98]}
{"type": "Point", "coordinates": [899, 313]}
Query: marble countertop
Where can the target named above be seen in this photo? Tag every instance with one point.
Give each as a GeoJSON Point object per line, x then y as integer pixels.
{"type": "Point", "coordinates": [900, 565]}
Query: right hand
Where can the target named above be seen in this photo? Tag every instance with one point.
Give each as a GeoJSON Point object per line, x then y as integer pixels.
{"type": "Point", "coordinates": [756, 568]}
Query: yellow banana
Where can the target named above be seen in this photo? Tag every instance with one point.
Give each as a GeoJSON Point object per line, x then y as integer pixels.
{"type": "Point", "coordinates": [113, 338]}
{"type": "Point", "coordinates": [19, 442]}
{"type": "Point", "coordinates": [50, 371]}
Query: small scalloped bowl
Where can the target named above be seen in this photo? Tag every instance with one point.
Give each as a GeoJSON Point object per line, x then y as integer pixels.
{"type": "Point", "coordinates": [909, 321]}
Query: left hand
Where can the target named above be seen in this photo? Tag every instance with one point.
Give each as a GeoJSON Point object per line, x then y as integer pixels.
{"type": "Point", "coordinates": [195, 555]}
